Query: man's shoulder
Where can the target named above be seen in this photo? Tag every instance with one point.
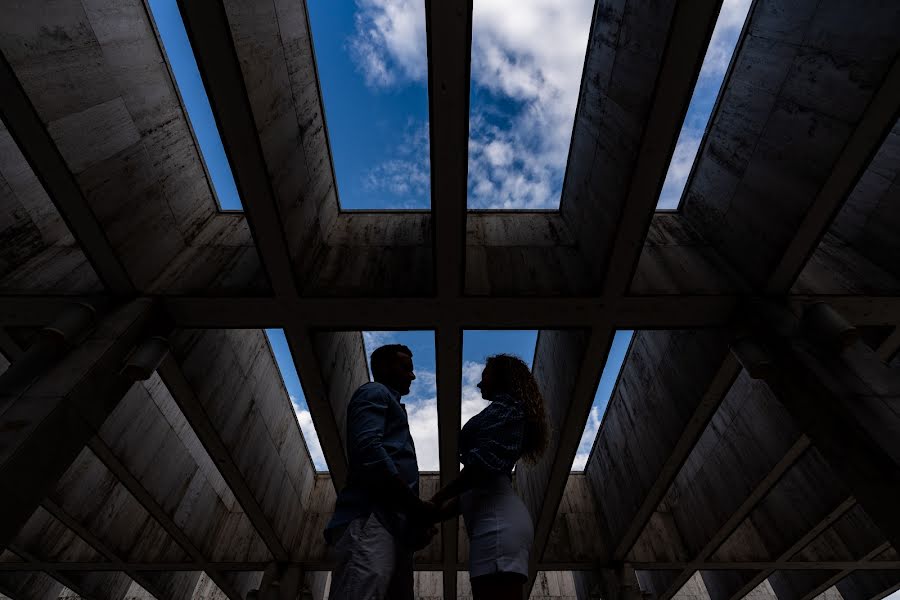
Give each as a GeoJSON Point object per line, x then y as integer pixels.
{"type": "Point", "coordinates": [373, 389]}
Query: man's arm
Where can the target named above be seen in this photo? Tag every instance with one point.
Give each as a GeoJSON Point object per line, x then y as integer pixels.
{"type": "Point", "coordinates": [366, 416]}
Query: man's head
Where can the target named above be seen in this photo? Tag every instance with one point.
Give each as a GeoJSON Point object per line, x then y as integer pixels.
{"type": "Point", "coordinates": [392, 365]}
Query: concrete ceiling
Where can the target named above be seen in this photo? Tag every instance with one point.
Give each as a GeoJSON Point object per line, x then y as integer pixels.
{"type": "Point", "coordinates": [199, 478]}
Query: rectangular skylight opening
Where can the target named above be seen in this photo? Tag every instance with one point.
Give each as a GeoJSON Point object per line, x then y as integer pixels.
{"type": "Point", "coordinates": [189, 85]}
{"type": "Point", "coordinates": [372, 64]}
{"type": "Point", "coordinates": [611, 370]}
{"type": "Point", "coordinates": [285, 361]}
{"type": "Point", "coordinates": [421, 401]}
{"type": "Point", "coordinates": [527, 62]}
{"type": "Point", "coordinates": [719, 54]}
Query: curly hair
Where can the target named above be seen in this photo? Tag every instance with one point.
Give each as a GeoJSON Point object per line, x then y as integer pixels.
{"type": "Point", "coordinates": [514, 377]}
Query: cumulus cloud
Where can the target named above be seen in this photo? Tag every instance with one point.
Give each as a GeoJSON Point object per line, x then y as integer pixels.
{"type": "Point", "coordinates": [527, 58]}
{"type": "Point", "coordinates": [389, 42]}
{"type": "Point", "coordinates": [725, 34]}
{"type": "Point", "coordinates": [679, 168]}
{"type": "Point", "coordinates": [304, 419]}
{"type": "Point", "coordinates": [587, 439]}
{"type": "Point", "coordinates": [408, 173]}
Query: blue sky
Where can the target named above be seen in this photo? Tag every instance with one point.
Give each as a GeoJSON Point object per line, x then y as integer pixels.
{"type": "Point", "coordinates": [190, 85]}
{"type": "Point", "coordinates": [527, 60]}
{"type": "Point", "coordinates": [422, 400]}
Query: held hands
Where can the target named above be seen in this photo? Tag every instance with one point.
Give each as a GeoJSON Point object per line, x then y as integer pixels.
{"type": "Point", "coordinates": [426, 512]}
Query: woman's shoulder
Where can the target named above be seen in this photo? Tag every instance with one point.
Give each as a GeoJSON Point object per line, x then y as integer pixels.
{"type": "Point", "coordinates": [506, 405]}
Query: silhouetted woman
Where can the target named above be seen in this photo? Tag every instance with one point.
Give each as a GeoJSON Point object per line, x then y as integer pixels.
{"type": "Point", "coordinates": [511, 427]}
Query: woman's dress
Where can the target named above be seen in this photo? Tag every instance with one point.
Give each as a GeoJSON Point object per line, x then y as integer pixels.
{"type": "Point", "coordinates": [498, 523]}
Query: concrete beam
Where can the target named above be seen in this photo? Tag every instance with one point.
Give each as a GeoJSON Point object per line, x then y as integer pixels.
{"type": "Point", "coordinates": [869, 586]}
{"type": "Point", "coordinates": [635, 456]}
{"type": "Point", "coordinates": [448, 360]}
{"type": "Point", "coordinates": [29, 586]}
{"type": "Point", "coordinates": [448, 28]}
{"type": "Point", "coordinates": [776, 132]}
{"type": "Point", "coordinates": [331, 365]}
{"type": "Point", "coordinates": [567, 367]}
{"type": "Point", "coordinates": [632, 102]}
{"type": "Point", "coordinates": [845, 402]}
{"type": "Point", "coordinates": [367, 313]}
{"type": "Point", "coordinates": [271, 121]}
{"type": "Point", "coordinates": [58, 513]}
{"type": "Point", "coordinates": [890, 347]}
{"type": "Point", "coordinates": [805, 502]}
{"type": "Point", "coordinates": [852, 536]}
{"type": "Point", "coordinates": [228, 386]}
{"type": "Point", "coordinates": [35, 142]}
{"type": "Point", "coordinates": [49, 420]}
{"type": "Point", "coordinates": [858, 252]}
{"type": "Point", "coordinates": [721, 483]}
{"type": "Point", "coordinates": [871, 130]}
{"type": "Point", "coordinates": [176, 481]}
{"type": "Point", "coordinates": [109, 138]}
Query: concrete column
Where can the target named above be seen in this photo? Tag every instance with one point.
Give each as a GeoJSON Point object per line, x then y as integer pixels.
{"type": "Point", "coordinates": [840, 394]}
{"type": "Point", "coordinates": [51, 405]}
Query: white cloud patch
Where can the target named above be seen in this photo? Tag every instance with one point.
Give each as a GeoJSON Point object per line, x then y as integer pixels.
{"type": "Point", "coordinates": [304, 418]}
{"type": "Point", "coordinates": [527, 59]}
{"type": "Point", "coordinates": [587, 439]}
{"type": "Point", "coordinates": [409, 173]}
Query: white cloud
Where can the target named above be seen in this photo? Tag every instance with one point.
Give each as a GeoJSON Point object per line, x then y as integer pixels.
{"type": "Point", "coordinates": [389, 43]}
{"type": "Point", "coordinates": [528, 54]}
{"type": "Point", "coordinates": [409, 173]}
{"type": "Point", "coordinates": [304, 418]}
{"type": "Point", "coordinates": [587, 439]}
{"type": "Point", "coordinates": [680, 168]}
{"type": "Point", "coordinates": [722, 42]}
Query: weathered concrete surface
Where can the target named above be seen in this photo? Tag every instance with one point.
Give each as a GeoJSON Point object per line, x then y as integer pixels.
{"type": "Point", "coordinates": [274, 51]}
{"type": "Point", "coordinates": [860, 253]}
{"type": "Point", "coordinates": [576, 536]}
{"type": "Point", "coordinates": [48, 421]}
{"type": "Point", "coordinates": [95, 498]}
{"type": "Point", "coordinates": [343, 367]}
{"type": "Point", "coordinates": [623, 58]}
{"type": "Point", "coordinates": [801, 81]}
{"type": "Point", "coordinates": [677, 259]}
{"type": "Point", "coordinates": [37, 250]}
{"type": "Point", "coordinates": [665, 383]}
{"type": "Point", "coordinates": [523, 254]}
{"type": "Point", "coordinates": [143, 434]}
{"type": "Point", "coordinates": [30, 586]}
{"type": "Point", "coordinates": [237, 403]}
{"type": "Point", "coordinates": [97, 78]}
{"type": "Point", "coordinates": [854, 536]}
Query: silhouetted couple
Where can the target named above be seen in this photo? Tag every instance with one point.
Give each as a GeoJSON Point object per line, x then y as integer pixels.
{"type": "Point", "coordinates": [379, 519]}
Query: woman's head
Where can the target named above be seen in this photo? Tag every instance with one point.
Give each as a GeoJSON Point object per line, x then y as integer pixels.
{"type": "Point", "coordinates": [504, 373]}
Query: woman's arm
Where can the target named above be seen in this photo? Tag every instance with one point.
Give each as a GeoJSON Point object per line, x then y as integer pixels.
{"type": "Point", "coordinates": [449, 510]}
{"type": "Point", "coordinates": [468, 478]}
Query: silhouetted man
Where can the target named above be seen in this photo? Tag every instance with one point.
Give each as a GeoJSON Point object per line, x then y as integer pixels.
{"type": "Point", "coordinates": [379, 519]}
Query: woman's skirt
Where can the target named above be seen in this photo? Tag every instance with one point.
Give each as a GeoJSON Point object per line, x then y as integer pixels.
{"type": "Point", "coordinates": [499, 527]}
